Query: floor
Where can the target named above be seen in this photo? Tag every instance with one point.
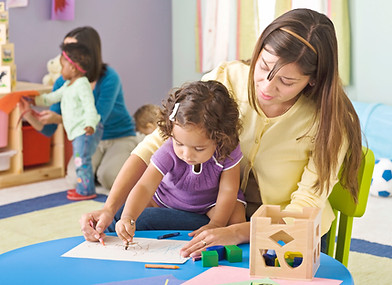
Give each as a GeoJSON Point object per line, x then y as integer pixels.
{"type": "Point", "coordinates": [28, 191]}
{"type": "Point", "coordinates": [376, 224]}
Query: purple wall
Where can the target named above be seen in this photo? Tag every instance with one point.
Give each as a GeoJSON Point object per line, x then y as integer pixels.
{"type": "Point", "coordinates": [136, 41]}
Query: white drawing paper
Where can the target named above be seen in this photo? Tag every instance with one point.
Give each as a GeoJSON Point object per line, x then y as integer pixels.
{"type": "Point", "coordinates": [141, 250]}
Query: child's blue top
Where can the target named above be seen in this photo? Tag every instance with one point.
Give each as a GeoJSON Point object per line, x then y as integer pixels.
{"type": "Point", "coordinates": [110, 104]}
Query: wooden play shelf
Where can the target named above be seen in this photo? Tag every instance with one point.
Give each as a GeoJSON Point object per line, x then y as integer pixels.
{"type": "Point", "coordinates": [18, 174]}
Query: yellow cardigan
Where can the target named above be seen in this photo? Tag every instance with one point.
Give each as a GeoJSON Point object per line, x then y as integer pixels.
{"type": "Point", "coordinates": [281, 161]}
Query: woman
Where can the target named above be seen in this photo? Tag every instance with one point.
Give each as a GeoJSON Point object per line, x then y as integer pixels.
{"type": "Point", "coordinates": [299, 129]}
{"type": "Point", "coordinates": [119, 137]}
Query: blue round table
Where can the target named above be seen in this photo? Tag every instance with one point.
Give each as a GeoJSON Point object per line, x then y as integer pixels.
{"type": "Point", "coordinates": [42, 264]}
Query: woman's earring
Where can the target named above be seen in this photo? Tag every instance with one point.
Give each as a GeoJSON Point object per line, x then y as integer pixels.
{"type": "Point", "coordinates": [312, 83]}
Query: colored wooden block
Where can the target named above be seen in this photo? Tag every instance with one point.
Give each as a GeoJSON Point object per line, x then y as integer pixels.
{"type": "Point", "coordinates": [3, 17]}
{"type": "Point", "coordinates": [233, 253]}
{"type": "Point", "coordinates": [297, 261]}
{"type": "Point", "coordinates": [295, 238]}
{"type": "Point", "coordinates": [269, 259]}
{"type": "Point", "coordinates": [220, 249]}
{"type": "Point", "coordinates": [5, 79]}
{"type": "Point", "coordinates": [291, 255]}
{"type": "Point", "coordinates": [209, 258]}
{"type": "Point", "coordinates": [7, 54]}
{"type": "Point", "coordinates": [3, 34]}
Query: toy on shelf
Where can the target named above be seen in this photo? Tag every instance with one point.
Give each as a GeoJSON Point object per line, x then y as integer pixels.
{"type": "Point", "coordinates": [7, 57]}
{"type": "Point", "coordinates": [54, 71]}
{"type": "Point", "coordinates": [285, 244]}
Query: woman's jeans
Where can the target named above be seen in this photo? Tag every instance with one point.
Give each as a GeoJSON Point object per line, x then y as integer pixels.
{"type": "Point", "coordinates": [83, 148]}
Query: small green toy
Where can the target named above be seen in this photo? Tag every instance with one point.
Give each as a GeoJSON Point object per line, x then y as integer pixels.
{"type": "Point", "coordinates": [209, 258]}
{"type": "Point", "coordinates": [233, 253]}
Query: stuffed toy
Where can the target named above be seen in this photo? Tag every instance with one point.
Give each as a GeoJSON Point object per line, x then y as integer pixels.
{"type": "Point", "coordinates": [54, 69]}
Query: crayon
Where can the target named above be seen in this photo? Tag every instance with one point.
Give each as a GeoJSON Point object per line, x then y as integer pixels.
{"type": "Point", "coordinates": [168, 235]}
{"type": "Point", "coordinates": [196, 258]}
{"type": "Point", "coordinates": [162, 266]}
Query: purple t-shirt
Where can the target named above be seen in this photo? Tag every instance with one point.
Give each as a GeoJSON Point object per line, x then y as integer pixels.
{"type": "Point", "coordinates": [185, 189]}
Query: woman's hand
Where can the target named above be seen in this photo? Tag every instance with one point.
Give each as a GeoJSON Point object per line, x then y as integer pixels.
{"type": "Point", "coordinates": [93, 224]}
{"type": "Point", "coordinates": [49, 117]}
{"type": "Point", "coordinates": [234, 234]}
{"type": "Point", "coordinates": [125, 229]}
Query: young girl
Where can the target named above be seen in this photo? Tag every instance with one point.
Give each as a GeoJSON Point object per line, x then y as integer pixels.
{"type": "Point", "coordinates": [80, 118]}
{"type": "Point", "coordinates": [197, 169]}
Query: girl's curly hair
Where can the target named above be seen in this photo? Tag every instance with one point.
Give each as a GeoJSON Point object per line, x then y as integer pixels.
{"type": "Point", "coordinates": [205, 104]}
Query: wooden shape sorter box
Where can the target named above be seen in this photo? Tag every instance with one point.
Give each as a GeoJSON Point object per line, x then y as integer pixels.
{"type": "Point", "coordinates": [285, 233]}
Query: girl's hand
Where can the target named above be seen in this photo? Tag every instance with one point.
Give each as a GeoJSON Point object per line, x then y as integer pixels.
{"type": "Point", "coordinates": [125, 229]}
{"type": "Point", "coordinates": [29, 100]}
{"type": "Point", "coordinates": [89, 131]}
{"type": "Point", "coordinates": [49, 117]}
{"type": "Point", "coordinates": [24, 105]}
{"type": "Point", "coordinates": [26, 111]}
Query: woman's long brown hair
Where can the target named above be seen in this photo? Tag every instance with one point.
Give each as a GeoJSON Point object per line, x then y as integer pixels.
{"type": "Point", "coordinates": [335, 117]}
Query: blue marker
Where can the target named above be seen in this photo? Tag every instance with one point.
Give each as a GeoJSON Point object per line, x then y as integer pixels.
{"type": "Point", "coordinates": [169, 235]}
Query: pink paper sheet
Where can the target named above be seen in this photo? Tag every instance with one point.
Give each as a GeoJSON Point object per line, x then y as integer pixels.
{"type": "Point", "coordinates": [230, 274]}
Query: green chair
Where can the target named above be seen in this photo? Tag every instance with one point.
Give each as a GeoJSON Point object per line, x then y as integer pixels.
{"type": "Point", "coordinates": [345, 209]}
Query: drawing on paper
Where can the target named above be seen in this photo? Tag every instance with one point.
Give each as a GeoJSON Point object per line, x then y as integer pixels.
{"type": "Point", "coordinates": [141, 249]}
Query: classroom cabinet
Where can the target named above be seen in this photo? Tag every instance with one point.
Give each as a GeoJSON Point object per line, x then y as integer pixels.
{"type": "Point", "coordinates": [18, 173]}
